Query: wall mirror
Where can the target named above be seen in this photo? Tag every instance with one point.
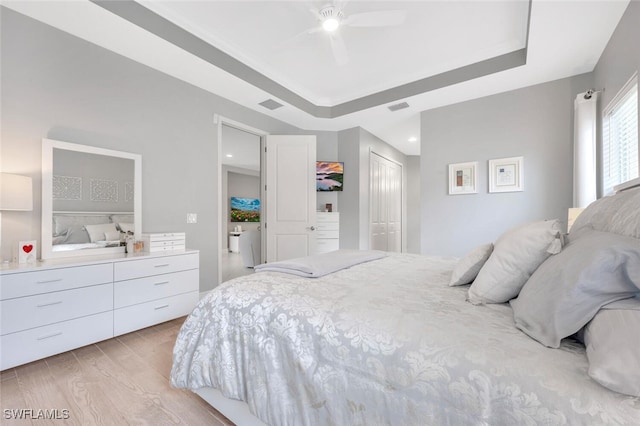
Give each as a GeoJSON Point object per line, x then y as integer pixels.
{"type": "Point", "coordinates": [91, 199]}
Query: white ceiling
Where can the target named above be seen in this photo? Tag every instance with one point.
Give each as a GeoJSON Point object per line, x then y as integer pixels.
{"type": "Point", "coordinates": [565, 38]}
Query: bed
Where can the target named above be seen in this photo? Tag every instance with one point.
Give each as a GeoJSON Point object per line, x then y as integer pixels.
{"type": "Point", "coordinates": [88, 230]}
{"type": "Point", "coordinates": [393, 341]}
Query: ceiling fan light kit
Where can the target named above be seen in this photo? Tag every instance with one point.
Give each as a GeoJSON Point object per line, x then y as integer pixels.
{"type": "Point", "coordinates": [330, 17]}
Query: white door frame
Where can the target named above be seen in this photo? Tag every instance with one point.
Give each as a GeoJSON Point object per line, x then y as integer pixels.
{"type": "Point", "coordinates": [219, 120]}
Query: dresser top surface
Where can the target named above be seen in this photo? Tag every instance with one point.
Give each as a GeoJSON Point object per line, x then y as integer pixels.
{"type": "Point", "coordinates": [40, 265]}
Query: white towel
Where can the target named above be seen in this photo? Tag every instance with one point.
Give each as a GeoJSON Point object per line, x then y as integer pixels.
{"type": "Point", "coordinates": [321, 264]}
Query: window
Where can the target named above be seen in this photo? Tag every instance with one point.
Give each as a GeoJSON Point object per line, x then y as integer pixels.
{"type": "Point", "coordinates": [620, 138]}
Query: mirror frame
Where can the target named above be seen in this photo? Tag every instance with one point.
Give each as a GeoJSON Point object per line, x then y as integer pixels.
{"type": "Point", "coordinates": [48, 145]}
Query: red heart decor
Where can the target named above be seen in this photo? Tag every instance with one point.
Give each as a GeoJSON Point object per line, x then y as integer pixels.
{"type": "Point", "coordinates": [27, 248]}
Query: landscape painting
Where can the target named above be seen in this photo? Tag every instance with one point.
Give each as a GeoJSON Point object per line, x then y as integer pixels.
{"type": "Point", "coordinates": [245, 209]}
{"type": "Point", "coordinates": [329, 175]}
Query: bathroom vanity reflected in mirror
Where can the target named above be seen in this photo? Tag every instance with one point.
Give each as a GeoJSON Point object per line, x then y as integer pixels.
{"type": "Point", "coordinates": [91, 199]}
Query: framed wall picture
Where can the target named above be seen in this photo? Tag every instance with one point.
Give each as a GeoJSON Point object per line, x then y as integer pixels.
{"type": "Point", "coordinates": [463, 178]}
{"type": "Point", "coordinates": [506, 174]}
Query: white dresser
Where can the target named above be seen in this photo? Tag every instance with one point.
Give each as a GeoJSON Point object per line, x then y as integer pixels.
{"type": "Point", "coordinates": [56, 306]}
{"type": "Point", "coordinates": [328, 235]}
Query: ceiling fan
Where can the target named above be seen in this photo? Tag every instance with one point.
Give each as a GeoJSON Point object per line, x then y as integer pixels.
{"type": "Point", "coordinates": [332, 17]}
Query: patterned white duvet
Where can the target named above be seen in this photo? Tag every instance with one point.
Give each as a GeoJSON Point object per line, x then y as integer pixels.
{"type": "Point", "coordinates": [384, 342]}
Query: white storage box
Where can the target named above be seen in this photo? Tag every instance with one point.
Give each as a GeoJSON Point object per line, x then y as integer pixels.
{"type": "Point", "coordinates": [164, 241]}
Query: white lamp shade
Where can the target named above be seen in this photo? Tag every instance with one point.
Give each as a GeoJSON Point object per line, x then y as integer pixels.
{"type": "Point", "coordinates": [16, 192]}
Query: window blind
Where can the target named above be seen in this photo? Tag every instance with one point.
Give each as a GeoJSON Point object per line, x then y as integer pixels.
{"type": "Point", "coordinates": [620, 138]}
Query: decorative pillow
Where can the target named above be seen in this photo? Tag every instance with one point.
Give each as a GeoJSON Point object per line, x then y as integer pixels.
{"type": "Point", "coordinates": [567, 290]}
{"type": "Point", "coordinates": [516, 254]}
{"type": "Point", "coordinates": [112, 235]}
{"type": "Point", "coordinates": [126, 227]}
{"type": "Point", "coordinates": [97, 232]}
{"type": "Point", "coordinates": [76, 234]}
{"type": "Point", "coordinates": [468, 267]}
{"type": "Point", "coordinates": [612, 339]}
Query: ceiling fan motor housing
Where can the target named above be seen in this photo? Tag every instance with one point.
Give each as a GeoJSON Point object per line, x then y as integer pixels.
{"type": "Point", "coordinates": [331, 12]}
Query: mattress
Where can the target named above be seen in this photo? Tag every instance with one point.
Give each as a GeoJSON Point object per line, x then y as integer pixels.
{"type": "Point", "coordinates": [383, 342]}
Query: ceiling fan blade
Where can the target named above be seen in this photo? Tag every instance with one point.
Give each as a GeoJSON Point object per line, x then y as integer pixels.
{"type": "Point", "coordinates": [380, 18]}
{"type": "Point", "coordinates": [339, 49]}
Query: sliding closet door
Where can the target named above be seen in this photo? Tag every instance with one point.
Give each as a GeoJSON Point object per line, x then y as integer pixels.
{"type": "Point", "coordinates": [386, 204]}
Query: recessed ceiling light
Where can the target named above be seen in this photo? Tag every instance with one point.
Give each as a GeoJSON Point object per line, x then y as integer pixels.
{"type": "Point", "coordinates": [413, 139]}
{"type": "Point", "coordinates": [229, 155]}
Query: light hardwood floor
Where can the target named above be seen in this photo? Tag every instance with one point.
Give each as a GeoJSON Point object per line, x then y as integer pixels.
{"type": "Point", "coordinates": [124, 380]}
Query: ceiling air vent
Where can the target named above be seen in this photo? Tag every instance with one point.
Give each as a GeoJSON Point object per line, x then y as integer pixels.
{"type": "Point", "coordinates": [396, 107]}
{"type": "Point", "coordinates": [271, 104]}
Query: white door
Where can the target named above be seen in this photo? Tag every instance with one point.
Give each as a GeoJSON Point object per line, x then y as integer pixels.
{"type": "Point", "coordinates": [291, 196]}
{"type": "Point", "coordinates": [386, 204]}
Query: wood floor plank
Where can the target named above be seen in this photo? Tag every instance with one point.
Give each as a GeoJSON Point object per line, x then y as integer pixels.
{"type": "Point", "coordinates": [121, 381]}
{"type": "Point", "coordinates": [40, 391]}
{"type": "Point", "coordinates": [178, 402]}
{"type": "Point", "coordinates": [89, 404]}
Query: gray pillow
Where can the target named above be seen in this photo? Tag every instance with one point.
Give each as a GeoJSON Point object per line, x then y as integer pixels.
{"type": "Point", "coordinates": [567, 290]}
{"type": "Point", "coordinates": [516, 254]}
{"type": "Point", "coordinates": [612, 339]}
{"type": "Point", "coordinates": [469, 266]}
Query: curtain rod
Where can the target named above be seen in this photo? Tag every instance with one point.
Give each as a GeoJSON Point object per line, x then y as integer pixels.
{"type": "Point", "coordinates": [590, 93]}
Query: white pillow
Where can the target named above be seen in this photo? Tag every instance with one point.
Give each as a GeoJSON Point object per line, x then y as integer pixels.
{"type": "Point", "coordinates": [468, 267]}
{"type": "Point", "coordinates": [97, 232]}
{"type": "Point", "coordinates": [516, 255]}
{"type": "Point", "coordinates": [112, 235]}
{"type": "Point", "coordinates": [126, 227]}
{"type": "Point", "coordinates": [612, 339]}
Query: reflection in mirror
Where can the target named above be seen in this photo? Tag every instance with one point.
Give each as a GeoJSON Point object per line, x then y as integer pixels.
{"type": "Point", "coordinates": [91, 199]}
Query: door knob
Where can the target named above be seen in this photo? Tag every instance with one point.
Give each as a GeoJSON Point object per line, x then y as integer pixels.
{"type": "Point", "coordinates": [313, 228]}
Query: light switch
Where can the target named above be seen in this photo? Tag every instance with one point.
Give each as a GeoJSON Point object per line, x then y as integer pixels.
{"type": "Point", "coordinates": [192, 218]}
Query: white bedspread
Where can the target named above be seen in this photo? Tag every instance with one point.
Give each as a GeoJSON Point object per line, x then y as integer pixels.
{"type": "Point", "coordinates": [322, 264]}
{"type": "Point", "coordinates": [384, 342]}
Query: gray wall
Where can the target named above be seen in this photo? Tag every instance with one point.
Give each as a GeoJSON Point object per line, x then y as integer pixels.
{"type": "Point", "coordinates": [535, 122]}
{"type": "Point", "coordinates": [57, 86]}
{"type": "Point", "coordinates": [354, 146]}
{"type": "Point", "coordinates": [620, 59]}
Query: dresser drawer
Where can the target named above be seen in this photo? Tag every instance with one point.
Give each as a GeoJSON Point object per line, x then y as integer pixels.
{"type": "Point", "coordinates": [34, 311]}
{"type": "Point", "coordinates": [144, 315]}
{"type": "Point", "coordinates": [165, 236]}
{"type": "Point", "coordinates": [36, 343]}
{"type": "Point", "coordinates": [50, 280]}
{"type": "Point", "coordinates": [322, 217]}
{"type": "Point", "coordinates": [328, 226]}
{"type": "Point", "coordinates": [157, 249]}
{"type": "Point", "coordinates": [327, 245]}
{"type": "Point", "coordinates": [171, 243]}
{"type": "Point", "coordinates": [131, 292]}
{"type": "Point", "coordinates": [328, 234]}
{"type": "Point", "coordinates": [154, 266]}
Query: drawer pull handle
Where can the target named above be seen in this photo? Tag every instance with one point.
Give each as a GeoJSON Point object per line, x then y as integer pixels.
{"type": "Point", "coordinates": [161, 307]}
{"type": "Point", "coordinates": [161, 283]}
{"type": "Point", "coordinates": [162, 265]}
{"type": "Point", "coordinates": [49, 304]}
{"type": "Point", "coordinates": [48, 336]}
{"type": "Point", "coordinates": [49, 281]}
